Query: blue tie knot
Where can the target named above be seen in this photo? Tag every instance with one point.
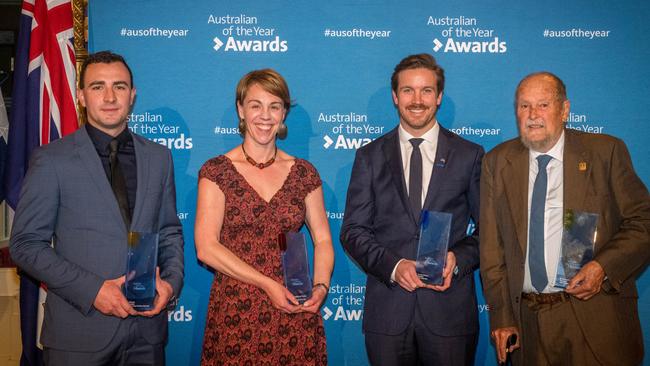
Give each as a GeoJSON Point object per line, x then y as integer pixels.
{"type": "Point", "coordinates": [543, 160]}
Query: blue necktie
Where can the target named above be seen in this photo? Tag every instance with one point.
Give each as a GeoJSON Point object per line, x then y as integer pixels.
{"type": "Point", "coordinates": [538, 275]}
{"type": "Point", "coordinates": [415, 178]}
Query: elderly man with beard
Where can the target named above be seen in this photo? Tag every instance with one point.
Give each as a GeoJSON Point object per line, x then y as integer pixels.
{"type": "Point", "coordinates": [528, 184]}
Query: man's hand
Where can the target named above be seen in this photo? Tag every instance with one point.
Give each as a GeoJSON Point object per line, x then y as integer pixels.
{"type": "Point", "coordinates": [587, 282]}
{"type": "Point", "coordinates": [500, 337]}
{"type": "Point", "coordinates": [406, 276]}
{"type": "Point", "coordinates": [164, 292]}
{"type": "Point", "coordinates": [111, 301]}
{"type": "Point", "coordinates": [447, 273]}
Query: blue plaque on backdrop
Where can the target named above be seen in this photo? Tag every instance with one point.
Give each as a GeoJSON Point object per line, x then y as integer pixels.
{"type": "Point", "coordinates": [295, 265]}
{"type": "Point", "coordinates": [142, 259]}
{"type": "Point", "coordinates": [578, 238]}
{"type": "Point", "coordinates": [432, 248]}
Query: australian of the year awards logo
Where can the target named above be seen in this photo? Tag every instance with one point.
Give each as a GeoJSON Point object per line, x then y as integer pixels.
{"type": "Point", "coordinates": [582, 122]}
{"type": "Point", "coordinates": [348, 130]}
{"type": "Point", "coordinates": [155, 128]}
{"type": "Point", "coordinates": [243, 33]}
{"type": "Point", "coordinates": [344, 303]}
{"type": "Point", "coordinates": [464, 35]}
{"type": "Point", "coordinates": [179, 315]}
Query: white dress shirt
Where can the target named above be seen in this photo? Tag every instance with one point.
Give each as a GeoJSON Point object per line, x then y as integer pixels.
{"type": "Point", "coordinates": [553, 213]}
{"type": "Point", "coordinates": [428, 148]}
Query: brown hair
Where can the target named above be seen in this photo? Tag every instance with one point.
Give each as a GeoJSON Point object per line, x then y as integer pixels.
{"type": "Point", "coordinates": [422, 60]}
{"type": "Point", "coordinates": [272, 82]}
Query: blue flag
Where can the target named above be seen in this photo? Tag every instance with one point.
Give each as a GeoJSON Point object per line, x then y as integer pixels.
{"type": "Point", "coordinates": [43, 109]}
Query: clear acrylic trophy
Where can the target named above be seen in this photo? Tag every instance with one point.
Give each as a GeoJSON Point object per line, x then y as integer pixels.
{"type": "Point", "coordinates": [432, 248]}
{"type": "Point", "coordinates": [295, 265]}
{"type": "Point", "coordinates": [142, 259]}
{"type": "Point", "coordinates": [578, 238]}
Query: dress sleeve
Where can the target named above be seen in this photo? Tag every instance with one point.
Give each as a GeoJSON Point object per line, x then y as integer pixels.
{"type": "Point", "coordinates": [213, 170]}
{"type": "Point", "coordinates": [308, 175]}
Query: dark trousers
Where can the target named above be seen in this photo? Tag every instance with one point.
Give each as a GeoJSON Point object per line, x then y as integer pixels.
{"type": "Point", "coordinates": [127, 348]}
{"type": "Point", "coordinates": [417, 346]}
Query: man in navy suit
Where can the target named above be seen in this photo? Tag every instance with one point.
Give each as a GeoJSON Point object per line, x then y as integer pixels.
{"type": "Point", "coordinates": [417, 166]}
{"type": "Point", "coordinates": [71, 226]}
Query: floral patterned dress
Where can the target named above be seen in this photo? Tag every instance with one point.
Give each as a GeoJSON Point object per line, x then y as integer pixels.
{"type": "Point", "coordinates": [242, 327]}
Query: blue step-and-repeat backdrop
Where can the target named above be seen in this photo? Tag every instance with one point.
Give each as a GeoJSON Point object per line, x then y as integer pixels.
{"type": "Point", "coordinates": [337, 57]}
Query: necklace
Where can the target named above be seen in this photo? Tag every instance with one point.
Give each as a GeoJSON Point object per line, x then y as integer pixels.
{"type": "Point", "coordinates": [259, 165]}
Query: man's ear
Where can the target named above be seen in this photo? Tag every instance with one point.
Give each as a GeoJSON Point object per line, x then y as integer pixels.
{"type": "Point", "coordinates": [80, 97]}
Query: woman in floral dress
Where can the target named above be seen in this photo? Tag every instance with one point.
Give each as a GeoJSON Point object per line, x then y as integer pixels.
{"type": "Point", "coordinates": [246, 198]}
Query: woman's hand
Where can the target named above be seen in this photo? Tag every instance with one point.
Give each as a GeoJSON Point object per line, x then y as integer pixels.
{"type": "Point", "coordinates": [313, 304]}
{"type": "Point", "coordinates": [281, 298]}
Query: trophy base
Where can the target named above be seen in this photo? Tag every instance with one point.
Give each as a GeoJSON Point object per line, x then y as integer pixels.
{"type": "Point", "coordinates": [142, 304]}
{"type": "Point", "coordinates": [429, 280]}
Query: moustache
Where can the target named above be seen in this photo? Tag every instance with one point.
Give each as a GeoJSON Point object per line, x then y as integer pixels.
{"type": "Point", "coordinates": [532, 122]}
{"type": "Point", "coordinates": [416, 106]}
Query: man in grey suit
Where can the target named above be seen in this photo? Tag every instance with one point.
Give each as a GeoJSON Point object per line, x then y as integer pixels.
{"type": "Point", "coordinates": [81, 196]}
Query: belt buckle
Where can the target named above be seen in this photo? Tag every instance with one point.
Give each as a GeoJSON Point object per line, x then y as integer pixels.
{"type": "Point", "coordinates": [536, 300]}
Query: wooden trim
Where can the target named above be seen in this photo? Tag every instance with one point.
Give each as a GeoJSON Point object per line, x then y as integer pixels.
{"type": "Point", "coordinates": [80, 26]}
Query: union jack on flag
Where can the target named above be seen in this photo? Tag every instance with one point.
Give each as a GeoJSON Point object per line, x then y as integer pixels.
{"type": "Point", "coordinates": [43, 109]}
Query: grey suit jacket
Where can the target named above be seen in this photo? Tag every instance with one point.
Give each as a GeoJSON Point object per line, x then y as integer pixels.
{"type": "Point", "coordinates": [379, 229]}
{"type": "Point", "coordinates": [67, 200]}
{"type": "Point", "coordinates": [598, 178]}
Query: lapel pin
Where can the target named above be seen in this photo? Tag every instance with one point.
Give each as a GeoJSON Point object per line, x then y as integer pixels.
{"type": "Point", "coordinates": [441, 163]}
{"type": "Point", "coordinates": [582, 166]}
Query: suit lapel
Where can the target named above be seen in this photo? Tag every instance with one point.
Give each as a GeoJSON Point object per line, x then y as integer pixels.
{"type": "Point", "coordinates": [577, 169]}
{"type": "Point", "coordinates": [515, 180]}
{"type": "Point", "coordinates": [85, 150]}
{"type": "Point", "coordinates": [393, 156]}
{"type": "Point", "coordinates": [142, 166]}
{"type": "Point", "coordinates": [443, 150]}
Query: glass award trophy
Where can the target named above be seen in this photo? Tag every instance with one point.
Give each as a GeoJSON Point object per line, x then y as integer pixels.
{"type": "Point", "coordinates": [142, 259]}
{"type": "Point", "coordinates": [432, 248]}
{"type": "Point", "coordinates": [578, 238]}
{"type": "Point", "coordinates": [295, 265]}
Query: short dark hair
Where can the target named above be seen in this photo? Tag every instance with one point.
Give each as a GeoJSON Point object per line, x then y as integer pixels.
{"type": "Point", "coordinates": [102, 57]}
{"type": "Point", "coordinates": [422, 60]}
{"type": "Point", "coordinates": [560, 88]}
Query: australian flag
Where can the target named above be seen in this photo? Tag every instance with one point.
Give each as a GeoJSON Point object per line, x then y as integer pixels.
{"type": "Point", "coordinates": [43, 109]}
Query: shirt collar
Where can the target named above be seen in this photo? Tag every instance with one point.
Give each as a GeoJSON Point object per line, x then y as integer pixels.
{"type": "Point", "coordinates": [430, 136]}
{"type": "Point", "coordinates": [556, 152]}
{"type": "Point", "coordinates": [101, 139]}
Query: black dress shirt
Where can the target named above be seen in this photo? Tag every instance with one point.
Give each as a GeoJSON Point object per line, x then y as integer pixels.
{"type": "Point", "coordinates": [125, 154]}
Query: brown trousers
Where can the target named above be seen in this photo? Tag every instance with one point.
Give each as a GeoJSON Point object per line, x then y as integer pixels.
{"type": "Point", "coordinates": [551, 336]}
